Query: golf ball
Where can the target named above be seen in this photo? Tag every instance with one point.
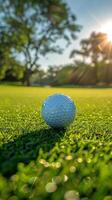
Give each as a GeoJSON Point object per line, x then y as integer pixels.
{"type": "Point", "coordinates": [58, 111]}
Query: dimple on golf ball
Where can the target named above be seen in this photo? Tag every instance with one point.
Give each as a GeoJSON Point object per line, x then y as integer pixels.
{"type": "Point", "coordinates": [58, 111]}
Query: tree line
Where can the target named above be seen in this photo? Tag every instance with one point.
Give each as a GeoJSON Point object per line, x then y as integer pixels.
{"type": "Point", "coordinates": [32, 29]}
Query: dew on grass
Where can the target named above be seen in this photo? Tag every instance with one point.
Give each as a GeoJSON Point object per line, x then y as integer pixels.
{"type": "Point", "coordinates": [79, 160]}
{"type": "Point", "coordinates": [89, 160]}
{"type": "Point", "coordinates": [62, 146]}
{"type": "Point", "coordinates": [72, 169]}
{"type": "Point", "coordinates": [55, 165]}
{"type": "Point", "coordinates": [51, 187]}
{"type": "Point", "coordinates": [44, 162]}
{"type": "Point", "coordinates": [58, 165]}
{"type": "Point", "coordinates": [65, 178]}
{"type": "Point", "coordinates": [69, 157]}
{"type": "Point", "coordinates": [71, 195]}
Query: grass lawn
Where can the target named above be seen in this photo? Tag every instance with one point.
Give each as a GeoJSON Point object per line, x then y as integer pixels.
{"type": "Point", "coordinates": [39, 163]}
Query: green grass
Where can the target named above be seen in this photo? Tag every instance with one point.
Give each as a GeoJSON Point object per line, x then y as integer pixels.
{"type": "Point", "coordinates": [38, 163]}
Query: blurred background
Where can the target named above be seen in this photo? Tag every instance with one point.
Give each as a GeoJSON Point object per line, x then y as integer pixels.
{"type": "Point", "coordinates": [56, 42]}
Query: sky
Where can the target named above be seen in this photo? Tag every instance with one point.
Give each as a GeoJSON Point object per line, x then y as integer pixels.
{"type": "Point", "coordinates": [91, 15]}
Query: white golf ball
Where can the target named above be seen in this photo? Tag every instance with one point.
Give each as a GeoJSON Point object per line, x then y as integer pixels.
{"type": "Point", "coordinates": [58, 111]}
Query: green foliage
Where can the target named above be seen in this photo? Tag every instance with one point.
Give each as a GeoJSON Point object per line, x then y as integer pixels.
{"type": "Point", "coordinates": [37, 162]}
{"type": "Point", "coordinates": [51, 75]}
{"type": "Point", "coordinates": [4, 54]}
{"type": "Point", "coordinates": [54, 75]}
{"type": "Point", "coordinates": [9, 66]}
{"type": "Point", "coordinates": [2, 72]}
{"type": "Point", "coordinates": [38, 77]}
{"type": "Point", "coordinates": [77, 74]}
{"type": "Point", "coordinates": [64, 75]}
{"type": "Point", "coordinates": [14, 73]}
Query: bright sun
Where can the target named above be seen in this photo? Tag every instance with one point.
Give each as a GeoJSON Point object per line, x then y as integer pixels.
{"type": "Point", "coordinates": [107, 28]}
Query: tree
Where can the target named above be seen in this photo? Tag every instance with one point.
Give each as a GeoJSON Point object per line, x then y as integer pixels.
{"type": "Point", "coordinates": [51, 75]}
{"type": "Point", "coordinates": [94, 50]}
{"type": "Point", "coordinates": [59, 75]}
{"type": "Point", "coordinates": [4, 53]}
{"type": "Point", "coordinates": [64, 74]}
{"type": "Point", "coordinates": [9, 67]}
{"type": "Point", "coordinates": [39, 77]}
{"type": "Point", "coordinates": [34, 26]}
{"type": "Point", "coordinates": [14, 72]}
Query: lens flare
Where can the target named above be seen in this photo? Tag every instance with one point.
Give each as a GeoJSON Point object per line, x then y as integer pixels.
{"type": "Point", "coordinates": [107, 29]}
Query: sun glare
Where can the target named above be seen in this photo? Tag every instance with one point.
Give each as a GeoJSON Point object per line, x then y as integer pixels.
{"type": "Point", "coordinates": [107, 28]}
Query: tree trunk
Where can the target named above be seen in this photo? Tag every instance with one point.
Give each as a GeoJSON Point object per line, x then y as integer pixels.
{"type": "Point", "coordinates": [28, 83]}
{"type": "Point", "coordinates": [27, 76]}
{"type": "Point", "coordinates": [96, 73]}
